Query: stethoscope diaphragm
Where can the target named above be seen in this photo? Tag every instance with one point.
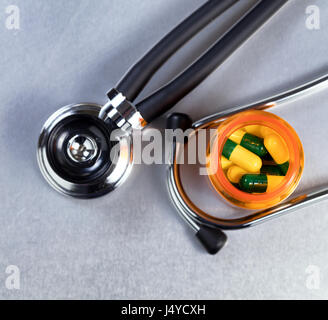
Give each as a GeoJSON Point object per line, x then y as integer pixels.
{"type": "Point", "coordinates": [75, 152]}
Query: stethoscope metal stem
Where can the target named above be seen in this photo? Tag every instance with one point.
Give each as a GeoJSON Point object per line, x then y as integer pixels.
{"type": "Point", "coordinates": [181, 206]}
{"type": "Point", "coordinates": [274, 101]}
{"type": "Point", "coordinates": [315, 195]}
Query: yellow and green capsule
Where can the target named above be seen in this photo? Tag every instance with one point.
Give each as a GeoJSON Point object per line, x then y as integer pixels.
{"type": "Point", "coordinates": [278, 149]}
{"type": "Point", "coordinates": [259, 183]}
{"type": "Point", "coordinates": [235, 173]}
{"type": "Point", "coordinates": [268, 160]}
{"type": "Point", "coordinates": [225, 163]}
{"type": "Point", "coordinates": [271, 170]}
{"type": "Point", "coordinates": [242, 157]}
{"type": "Point", "coordinates": [258, 130]}
{"type": "Point", "coordinates": [250, 142]}
{"type": "Point", "coordinates": [254, 130]}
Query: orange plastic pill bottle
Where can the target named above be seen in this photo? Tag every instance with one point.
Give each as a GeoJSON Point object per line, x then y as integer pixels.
{"type": "Point", "coordinates": [218, 177]}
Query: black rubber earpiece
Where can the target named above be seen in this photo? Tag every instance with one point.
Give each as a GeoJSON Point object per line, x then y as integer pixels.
{"type": "Point", "coordinates": [178, 121]}
{"type": "Point", "coordinates": [212, 239]}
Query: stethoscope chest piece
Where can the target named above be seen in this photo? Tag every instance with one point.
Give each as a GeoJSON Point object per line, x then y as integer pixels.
{"type": "Point", "coordinates": [82, 156]}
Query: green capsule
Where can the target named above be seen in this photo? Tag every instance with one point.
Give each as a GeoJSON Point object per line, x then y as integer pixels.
{"type": "Point", "coordinates": [284, 167]}
{"type": "Point", "coordinates": [260, 183]}
{"type": "Point", "coordinates": [268, 158]}
{"type": "Point", "coordinates": [250, 142]}
{"type": "Point", "coordinates": [271, 170]}
{"type": "Point", "coordinates": [236, 185]}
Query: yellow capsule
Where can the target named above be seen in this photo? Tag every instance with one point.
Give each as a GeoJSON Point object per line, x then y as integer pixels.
{"type": "Point", "coordinates": [237, 136]}
{"type": "Point", "coordinates": [274, 182]}
{"type": "Point", "coordinates": [265, 131]}
{"type": "Point", "coordinates": [246, 159]}
{"type": "Point", "coordinates": [254, 129]}
{"type": "Point", "coordinates": [259, 131]}
{"type": "Point", "coordinates": [235, 173]}
{"type": "Point", "coordinates": [225, 163]}
{"type": "Point", "coordinates": [242, 157]}
{"type": "Point", "coordinates": [277, 148]}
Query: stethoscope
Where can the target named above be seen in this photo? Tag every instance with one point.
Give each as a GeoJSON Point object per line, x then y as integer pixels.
{"type": "Point", "coordinates": [77, 142]}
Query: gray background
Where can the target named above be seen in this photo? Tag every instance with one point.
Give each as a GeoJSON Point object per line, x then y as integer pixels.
{"type": "Point", "coordinates": [131, 244]}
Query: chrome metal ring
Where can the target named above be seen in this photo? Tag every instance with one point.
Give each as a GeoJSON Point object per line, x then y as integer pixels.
{"type": "Point", "coordinates": [114, 176]}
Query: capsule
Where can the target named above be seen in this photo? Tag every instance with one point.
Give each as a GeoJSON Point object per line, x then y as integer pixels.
{"type": "Point", "coordinates": [259, 131]}
{"type": "Point", "coordinates": [267, 159]}
{"type": "Point", "coordinates": [254, 129]}
{"type": "Point", "coordinates": [235, 173]}
{"type": "Point", "coordinates": [242, 157]}
{"type": "Point", "coordinates": [271, 170]}
{"type": "Point", "coordinates": [278, 150]}
{"type": "Point", "coordinates": [259, 183]}
{"type": "Point", "coordinates": [225, 163]}
{"type": "Point", "coordinates": [250, 142]}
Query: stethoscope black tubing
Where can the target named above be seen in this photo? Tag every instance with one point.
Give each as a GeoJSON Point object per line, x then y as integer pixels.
{"type": "Point", "coordinates": [165, 98]}
{"type": "Point", "coordinates": [140, 74]}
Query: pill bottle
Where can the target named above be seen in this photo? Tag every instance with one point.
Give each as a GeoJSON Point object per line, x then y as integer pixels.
{"type": "Point", "coordinates": [217, 175]}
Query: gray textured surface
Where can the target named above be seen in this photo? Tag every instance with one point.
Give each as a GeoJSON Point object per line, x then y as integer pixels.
{"type": "Point", "coordinates": [131, 244]}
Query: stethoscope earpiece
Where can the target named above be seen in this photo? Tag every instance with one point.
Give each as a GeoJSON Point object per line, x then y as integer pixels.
{"type": "Point", "coordinates": [178, 121]}
{"type": "Point", "coordinates": [212, 239]}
